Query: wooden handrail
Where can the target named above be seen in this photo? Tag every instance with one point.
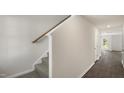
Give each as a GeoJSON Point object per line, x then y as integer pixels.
{"type": "Point", "coordinates": [43, 35]}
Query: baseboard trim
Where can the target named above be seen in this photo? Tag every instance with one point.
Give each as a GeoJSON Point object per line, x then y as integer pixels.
{"type": "Point", "coordinates": [29, 70]}
{"type": "Point", "coordinates": [21, 73]}
{"type": "Point", "coordinates": [96, 60]}
{"type": "Point", "coordinates": [84, 72]}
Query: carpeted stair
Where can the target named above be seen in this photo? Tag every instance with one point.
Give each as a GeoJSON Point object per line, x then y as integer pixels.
{"type": "Point", "coordinates": [41, 70]}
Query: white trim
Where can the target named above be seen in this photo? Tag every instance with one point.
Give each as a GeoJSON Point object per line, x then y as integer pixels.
{"type": "Point", "coordinates": [98, 57]}
{"type": "Point", "coordinates": [29, 70]}
{"type": "Point", "coordinates": [39, 59]}
{"type": "Point", "coordinates": [84, 72]}
{"type": "Point", "coordinates": [19, 74]}
{"type": "Point", "coordinates": [50, 56]}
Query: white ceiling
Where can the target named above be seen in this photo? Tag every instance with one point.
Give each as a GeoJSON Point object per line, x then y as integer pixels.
{"type": "Point", "coordinates": [101, 21]}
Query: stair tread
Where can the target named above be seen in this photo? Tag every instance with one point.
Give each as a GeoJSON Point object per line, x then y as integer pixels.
{"type": "Point", "coordinates": [43, 68]}
{"type": "Point", "coordinates": [45, 59]}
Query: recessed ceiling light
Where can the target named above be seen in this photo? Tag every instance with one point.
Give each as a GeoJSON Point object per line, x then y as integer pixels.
{"type": "Point", "coordinates": [108, 26]}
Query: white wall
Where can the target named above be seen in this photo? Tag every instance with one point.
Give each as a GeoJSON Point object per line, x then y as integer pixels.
{"type": "Point", "coordinates": [73, 48]}
{"type": "Point", "coordinates": [17, 53]}
{"type": "Point", "coordinates": [116, 42]}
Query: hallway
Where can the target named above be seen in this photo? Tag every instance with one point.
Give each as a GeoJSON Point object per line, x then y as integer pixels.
{"type": "Point", "coordinates": [109, 66]}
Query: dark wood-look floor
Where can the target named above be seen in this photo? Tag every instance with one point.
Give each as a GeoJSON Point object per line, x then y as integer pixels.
{"type": "Point", "coordinates": [109, 66]}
